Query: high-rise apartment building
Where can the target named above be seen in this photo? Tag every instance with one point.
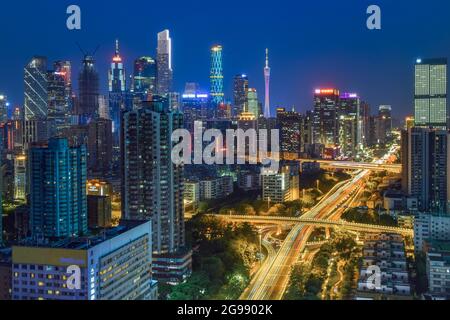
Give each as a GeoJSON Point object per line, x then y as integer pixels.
{"type": "Point", "coordinates": [427, 167]}
{"type": "Point", "coordinates": [152, 184]}
{"type": "Point", "coordinates": [57, 189]}
{"type": "Point", "coordinates": [164, 63]}
{"type": "Point", "coordinates": [430, 98]}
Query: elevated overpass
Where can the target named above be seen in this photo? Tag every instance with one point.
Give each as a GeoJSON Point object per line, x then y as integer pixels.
{"type": "Point", "coordinates": [351, 226]}
{"type": "Point", "coordinates": [350, 165]}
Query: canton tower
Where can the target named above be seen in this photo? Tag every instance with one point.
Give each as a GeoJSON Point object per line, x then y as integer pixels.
{"type": "Point", "coordinates": [267, 77]}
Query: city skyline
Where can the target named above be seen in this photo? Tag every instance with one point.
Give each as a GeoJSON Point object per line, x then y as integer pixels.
{"type": "Point", "coordinates": [303, 66]}
{"type": "Point", "coordinates": [232, 152]}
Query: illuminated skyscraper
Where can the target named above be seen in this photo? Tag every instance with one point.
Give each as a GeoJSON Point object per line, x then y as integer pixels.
{"type": "Point", "coordinates": [252, 103]}
{"type": "Point", "coordinates": [117, 93]}
{"type": "Point", "coordinates": [430, 97]}
{"type": "Point", "coordinates": [64, 69]}
{"type": "Point", "coordinates": [195, 106]}
{"type": "Point", "coordinates": [164, 63]}
{"type": "Point", "coordinates": [3, 108]}
{"type": "Point", "coordinates": [325, 124]}
{"type": "Point", "coordinates": [240, 94]}
{"type": "Point", "coordinates": [58, 189]}
{"type": "Point", "coordinates": [152, 183]}
{"type": "Point", "coordinates": [290, 124]}
{"type": "Point", "coordinates": [267, 82]}
{"type": "Point", "coordinates": [216, 76]}
{"type": "Point", "coordinates": [58, 102]}
{"type": "Point", "coordinates": [144, 78]}
{"type": "Point", "coordinates": [88, 85]}
{"type": "Point", "coordinates": [350, 124]}
{"type": "Point", "coordinates": [36, 103]}
{"type": "Point", "coordinates": [383, 124]}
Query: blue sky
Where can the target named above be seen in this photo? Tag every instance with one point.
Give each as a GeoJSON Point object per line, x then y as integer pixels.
{"type": "Point", "coordinates": [312, 43]}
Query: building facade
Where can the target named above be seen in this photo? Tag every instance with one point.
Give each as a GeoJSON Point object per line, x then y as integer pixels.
{"type": "Point", "coordinates": [58, 175]}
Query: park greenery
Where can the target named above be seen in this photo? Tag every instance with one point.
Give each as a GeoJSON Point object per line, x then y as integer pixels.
{"type": "Point", "coordinates": [309, 281]}
{"type": "Point", "coordinates": [224, 254]}
{"type": "Point", "coordinates": [369, 216]}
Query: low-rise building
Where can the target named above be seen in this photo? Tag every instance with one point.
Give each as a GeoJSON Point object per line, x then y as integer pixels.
{"type": "Point", "coordinates": [430, 227]}
{"type": "Point", "coordinates": [438, 269]}
{"type": "Point", "coordinates": [384, 253]}
{"type": "Point", "coordinates": [216, 188]}
{"type": "Point", "coordinates": [191, 192]}
{"type": "Point", "coordinates": [283, 185]}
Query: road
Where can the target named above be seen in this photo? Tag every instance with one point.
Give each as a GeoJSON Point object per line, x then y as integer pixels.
{"type": "Point", "coordinates": [272, 283]}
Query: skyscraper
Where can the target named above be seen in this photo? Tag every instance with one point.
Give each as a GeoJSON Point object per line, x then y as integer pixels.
{"type": "Point", "coordinates": [350, 124]}
{"type": "Point", "coordinates": [383, 124]}
{"type": "Point", "coordinates": [164, 63]}
{"type": "Point", "coordinates": [430, 98]}
{"type": "Point", "coordinates": [144, 78]}
{"type": "Point", "coordinates": [36, 85]}
{"type": "Point", "coordinates": [88, 85]}
{"type": "Point", "coordinates": [240, 93]}
{"type": "Point", "coordinates": [152, 183]}
{"type": "Point", "coordinates": [117, 93]}
{"type": "Point", "coordinates": [100, 148]}
{"type": "Point", "coordinates": [58, 107]}
{"type": "Point", "coordinates": [267, 82]}
{"type": "Point", "coordinates": [216, 76]}
{"type": "Point", "coordinates": [3, 108]}
{"type": "Point", "coordinates": [291, 131]}
{"type": "Point", "coordinates": [425, 155]}
{"type": "Point", "coordinates": [252, 103]}
{"type": "Point", "coordinates": [325, 122]}
{"type": "Point", "coordinates": [195, 106]}
{"type": "Point", "coordinates": [58, 189]}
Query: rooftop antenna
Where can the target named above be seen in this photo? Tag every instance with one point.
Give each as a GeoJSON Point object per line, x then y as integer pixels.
{"type": "Point", "coordinates": [81, 49]}
{"type": "Point", "coordinates": [85, 53]}
{"type": "Point", "coordinates": [117, 47]}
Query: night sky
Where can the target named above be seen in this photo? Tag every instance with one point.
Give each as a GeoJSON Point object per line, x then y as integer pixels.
{"type": "Point", "coordinates": [312, 43]}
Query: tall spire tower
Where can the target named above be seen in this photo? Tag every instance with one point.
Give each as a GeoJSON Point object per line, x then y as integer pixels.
{"type": "Point", "coordinates": [267, 78]}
